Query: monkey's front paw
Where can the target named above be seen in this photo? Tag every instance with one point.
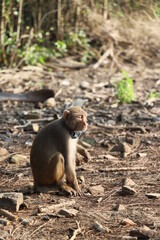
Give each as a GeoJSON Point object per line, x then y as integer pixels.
{"type": "Point", "coordinates": [87, 156]}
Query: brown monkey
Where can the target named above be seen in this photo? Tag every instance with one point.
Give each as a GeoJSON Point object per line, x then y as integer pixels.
{"type": "Point", "coordinates": [54, 149]}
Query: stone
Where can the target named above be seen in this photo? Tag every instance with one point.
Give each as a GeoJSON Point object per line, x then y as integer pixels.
{"type": "Point", "coordinates": [97, 190]}
{"type": "Point", "coordinates": [120, 207]}
{"type": "Point", "coordinates": [153, 195]}
{"type": "Point", "coordinates": [11, 200]}
{"type": "Point", "coordinates": [123, 148]}
{"type": "Point", "coordinates": [68, 212]}
{"type": "Point", "coordinates": [127, 221]}
{"type": "Point", "coordinates": [35, 127]}
{"type": "Point", "coordinates": [127, 190]}
{"type": "Point", "coordinates": [50, 102]}
{"type": "Point", "coordinates": [3, 152]}
{"type": "Point", "coordinates": [128, 182]}
{"type": "Point", "coordinates": [17, 158]}
{"type": "Point", "coordinates": [99, 228]}
{"type": "Point", "coordinates": [145, 233]}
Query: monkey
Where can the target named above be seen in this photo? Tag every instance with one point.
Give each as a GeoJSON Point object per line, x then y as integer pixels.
{"type": "Point", "coordinates": [54, 149]}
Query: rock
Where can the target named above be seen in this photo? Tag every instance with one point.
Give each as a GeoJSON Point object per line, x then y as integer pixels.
{"type": "Point", "coordinates": [68, 212]}
{"type": "Point", "coordinates": [123, 148]}
{"type": "Point", "coordinates": [3, 152]}
{"type": "Point", "coordinates": [35, 127]}
{"type": "Point", "coordinates": [4, 222]}
{"type": "Point", "coordinates": [17, 158]}
{"type": "Point", "coordinates": [120, 207]}
{"type": "Point", "coordinates": [81, 179]}
{"type": "Point", "coordinates": [128, 182]}
{"type": "Point", "coordinates": [99, 199]}
{"type": "Point", "coordinates": [144, 233]}
{"type": "Point", "coordinates": [96, 190]}
{"type": "Point", "coordinates": [11, 200]}
{"type": "Point", "coordinates": [85, 85]}
{"type": "Point", "coordinates": [65, 83]}
{"type": "Point", "coordinates": [127, 190]}
{"type": "Point", "coordinates": [50, 102]}
{"type": "Point", "coordinates": [127, 221]}
{"type": "Point", "coordinates": [153, 195]}
{"type": "Point", "coordinates": [141, 155]}
{"type": "Point", "coordinates": [98, 227]}
{"type": "Point", "coordinates": [26, 221]}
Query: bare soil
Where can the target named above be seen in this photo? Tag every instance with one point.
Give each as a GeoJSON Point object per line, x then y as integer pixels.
{"type": "Point", "coordinates": [135, 124]}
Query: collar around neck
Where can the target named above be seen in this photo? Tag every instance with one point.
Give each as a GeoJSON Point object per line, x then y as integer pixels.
{"type": "Point", "coordinates": [75, 134]}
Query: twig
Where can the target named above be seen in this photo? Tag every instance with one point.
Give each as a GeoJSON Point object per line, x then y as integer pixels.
{"type": "Point", "coordinates": [56, 206]}
{"type": "Point", "coordinates": [37, 229]}
{"type": "Point", "coordinates": [133, 128]}
{"type": "Point", "coordinates": [107, 53]}
{"type": "Point", "coordinates": [48, 13]}
{"type": "Point", "coordinates": [40, 227]}
{"type": "Point", "coordinates": [76, 231]}
{"type": "Point", "coordinates": [8, 214]}
{"type": "Point", "coordinates": [118, 169]}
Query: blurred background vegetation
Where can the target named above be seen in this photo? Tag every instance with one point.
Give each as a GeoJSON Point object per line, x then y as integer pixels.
{"type": "Point", "coordinates": [33, 31]}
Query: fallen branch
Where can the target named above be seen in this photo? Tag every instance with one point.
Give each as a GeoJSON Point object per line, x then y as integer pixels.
{"type": "Point", "coordinates": [107, 53]}
{"type": "Point", "coordinates": [55, 207]}
{"type": "Point", "coordinates": [76, 231]}
{"type": "Point", "coordinates": [118, 169]}
{"type": "Point", "coordinates": [133, 128]}
{"type": "Point", "coordinates": [8, 214]}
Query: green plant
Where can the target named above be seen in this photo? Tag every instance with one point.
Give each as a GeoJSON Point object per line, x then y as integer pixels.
{"type": "Point", "coordinates": [78, 39]}
{"type": "Point", "coordinates": [153, 94]}
{"type": "Point", "coordinates": [34, 54]}
{"type": "Point", "coordinates": [61, 48]}
{"type": "Point", "coordinates": [125, 89]}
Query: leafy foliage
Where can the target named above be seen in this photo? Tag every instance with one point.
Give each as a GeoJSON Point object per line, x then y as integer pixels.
{"type": "Point", "coordinates": [61, 48]}
{"type": "Point", "coordinates": [125, 89]}
{"type": "Point", "coordinates": [153, 94]}
{"type": "Point", "coordinates": [34, 54]}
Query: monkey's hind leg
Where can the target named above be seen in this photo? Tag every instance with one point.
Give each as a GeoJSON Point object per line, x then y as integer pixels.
{"type": "Point", "coordinates": [58, 166]}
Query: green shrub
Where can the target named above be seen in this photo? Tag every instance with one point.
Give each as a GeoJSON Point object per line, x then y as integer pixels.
{"type": "Point", "coordinates": [153, 94]}
{"type": "Point", "coordinates": [125, 89]}
{"type": "Point", "coordinates": [34, 54]}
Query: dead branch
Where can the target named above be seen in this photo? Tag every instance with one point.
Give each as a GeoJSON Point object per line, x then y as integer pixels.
{"type": "Point", "coordinates": [108, 52]}
{"type": "Point", "coordinates": [8, 214]}
{"type": "Point", "coordinates": [56, 206]}
{"type": "Point", "coordinates": [76, 231]}
{"type": "Point", "coordinates": [119, 169]}
{"type": "Point", "coordinates": [133, 128]}
{"type": "Point", "coordinates": [38, 228]}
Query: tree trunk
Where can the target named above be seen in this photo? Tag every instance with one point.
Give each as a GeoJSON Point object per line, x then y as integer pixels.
{"type": "Point", "coordinates": [19, 21]}
{"type": "Point", "coordinates": [3, 33]}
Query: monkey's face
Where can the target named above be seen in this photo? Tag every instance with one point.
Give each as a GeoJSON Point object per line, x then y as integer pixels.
{"type": "Point", "coordinates": [76, 119]}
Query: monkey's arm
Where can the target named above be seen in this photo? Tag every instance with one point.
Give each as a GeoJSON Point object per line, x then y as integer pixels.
{"type": "Point", "coordinates": [83, 152]}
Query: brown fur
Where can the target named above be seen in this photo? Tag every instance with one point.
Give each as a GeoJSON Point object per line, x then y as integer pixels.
{"type": "Point", "coordinates": [53, 151]}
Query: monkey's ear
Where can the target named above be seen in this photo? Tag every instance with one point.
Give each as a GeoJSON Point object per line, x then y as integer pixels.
{"type": "Point", "coordinates": [66, 114]}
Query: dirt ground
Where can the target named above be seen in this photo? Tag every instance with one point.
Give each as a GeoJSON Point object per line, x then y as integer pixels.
{"type": "Point", "coordinates": [123, 140]}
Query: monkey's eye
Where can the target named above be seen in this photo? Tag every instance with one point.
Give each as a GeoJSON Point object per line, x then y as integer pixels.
{"type": "Point", "coordinates": [80, 117]}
